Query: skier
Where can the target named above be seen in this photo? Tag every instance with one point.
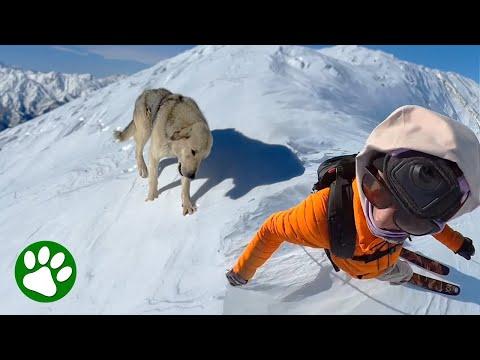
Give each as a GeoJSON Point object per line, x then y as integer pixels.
{"type": "Point", "coordinates": [418, 170]}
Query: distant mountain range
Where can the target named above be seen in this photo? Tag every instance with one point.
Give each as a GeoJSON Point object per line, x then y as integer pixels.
{"type": "Point", "coordinates": [25, 94]}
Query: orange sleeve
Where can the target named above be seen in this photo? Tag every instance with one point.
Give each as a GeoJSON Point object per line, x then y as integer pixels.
{"type": "Point", "coordinates": [450, 238]}
{"type": "Point", "coordinates": [305, 224]}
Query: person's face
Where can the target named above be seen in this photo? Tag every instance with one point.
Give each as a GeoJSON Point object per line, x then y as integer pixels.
{"type": "Point", "coordinates": [383, 218]}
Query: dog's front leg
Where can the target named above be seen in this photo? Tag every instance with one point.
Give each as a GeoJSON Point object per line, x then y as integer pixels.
{"type": "Point", "coordinates": [153, 178]}
{"type": "Point", "coordinates": [188, 207]}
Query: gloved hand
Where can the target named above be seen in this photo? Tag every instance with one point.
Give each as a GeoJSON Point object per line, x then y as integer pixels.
{"type": "Point", "coordinates": [467, 250]}
{"type": "Point", "coordinates": [234, 279]}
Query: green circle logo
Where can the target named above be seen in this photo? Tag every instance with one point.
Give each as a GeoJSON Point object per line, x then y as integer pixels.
{"type": "Point", "coordinates": [45, 271]}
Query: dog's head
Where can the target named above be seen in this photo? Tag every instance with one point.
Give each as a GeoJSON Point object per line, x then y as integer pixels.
{"type": "Point", "coordinates": [191, 145]}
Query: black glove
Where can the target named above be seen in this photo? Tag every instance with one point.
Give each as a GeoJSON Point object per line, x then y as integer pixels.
{"type": "Point", "coordinates": [234, 279]}
{"type": "Point", "coordinates": [467, 250]}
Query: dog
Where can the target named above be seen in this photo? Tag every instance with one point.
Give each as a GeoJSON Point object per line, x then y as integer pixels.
{"type": "Point", "coordinates": [177, 128]}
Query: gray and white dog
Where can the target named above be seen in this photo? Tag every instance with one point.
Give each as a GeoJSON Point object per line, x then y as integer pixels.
{"type": "Point", "coordinates": [178, 129]}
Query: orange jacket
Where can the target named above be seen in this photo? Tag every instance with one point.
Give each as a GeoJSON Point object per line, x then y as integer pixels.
{"type": "Point", "coordinates": [306, 224]}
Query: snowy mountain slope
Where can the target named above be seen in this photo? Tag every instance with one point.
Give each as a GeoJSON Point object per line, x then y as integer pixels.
{"type": "Point", "coordinates": [25, 94]}
{"type": "Point", "coordinates": [275, 112]}
{"type": "Point", "coordinates": [450, 93]}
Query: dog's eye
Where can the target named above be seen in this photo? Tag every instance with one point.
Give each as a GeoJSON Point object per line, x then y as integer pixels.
{"type": "Point", "coordinates": [193, 152]}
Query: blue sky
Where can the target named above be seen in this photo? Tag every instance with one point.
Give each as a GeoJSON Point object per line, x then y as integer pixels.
{"type": "Point", "coordinates": [104, 60]}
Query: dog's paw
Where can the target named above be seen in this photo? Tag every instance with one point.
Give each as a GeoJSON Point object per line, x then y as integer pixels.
{"type": "Point", "coordinates": [152, 196]}
{"type": "Point", "coordinates": [188, 209]}
{"type": "Point", "coordinates": [143, 172]}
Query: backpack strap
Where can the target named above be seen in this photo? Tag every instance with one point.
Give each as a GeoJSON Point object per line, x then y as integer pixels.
{"type": "Point", "coordinates": [341, 220]}
{"type": "Point", "coordinates": [376, 255]}
{"type": "Point", "coordinates": [341, 224]}
{"type": "Point", "coordinates": [365, 258]}
{"type": "Point", "coordinates": [329, 256]}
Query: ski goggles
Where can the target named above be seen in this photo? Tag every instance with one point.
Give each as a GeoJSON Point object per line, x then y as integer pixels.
{"type": "Point", "coordinates": [378, 193]}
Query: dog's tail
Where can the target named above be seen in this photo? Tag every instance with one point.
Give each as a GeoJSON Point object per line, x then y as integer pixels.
{"type": "Point", "coordinates": [126, 134]}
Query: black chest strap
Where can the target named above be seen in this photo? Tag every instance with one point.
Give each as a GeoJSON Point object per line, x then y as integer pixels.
{"type": "Point", "coordinates": [365, 258]}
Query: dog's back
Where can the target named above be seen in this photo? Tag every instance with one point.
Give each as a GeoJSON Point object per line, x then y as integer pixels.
{"type": "Point", "coordinates": [151, 100]}
{"type": "Point", "coordinates": [145, 110]}
{"type": "Point", "coordinates": [178, 112]}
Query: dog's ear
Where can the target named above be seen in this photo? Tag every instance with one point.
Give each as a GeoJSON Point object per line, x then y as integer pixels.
{"type": "Point", "coordinates": [181, 134]}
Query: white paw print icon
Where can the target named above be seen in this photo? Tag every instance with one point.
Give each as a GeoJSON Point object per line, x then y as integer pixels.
{"type": "Point", "coordinates": [42, 281]}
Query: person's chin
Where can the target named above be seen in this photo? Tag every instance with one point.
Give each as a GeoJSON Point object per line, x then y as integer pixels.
{"type": "Point", "coordinates": [390, 228]}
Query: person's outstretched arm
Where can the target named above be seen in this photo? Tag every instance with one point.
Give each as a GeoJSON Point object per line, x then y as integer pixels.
{"type": "Point", "coordinates": [304, 224]}
{"type": "Point", "coordinates": [456, 242]}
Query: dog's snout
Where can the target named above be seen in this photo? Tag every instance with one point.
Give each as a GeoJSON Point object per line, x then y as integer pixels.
{"type": "Point", "coordinates": [189, 175]}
